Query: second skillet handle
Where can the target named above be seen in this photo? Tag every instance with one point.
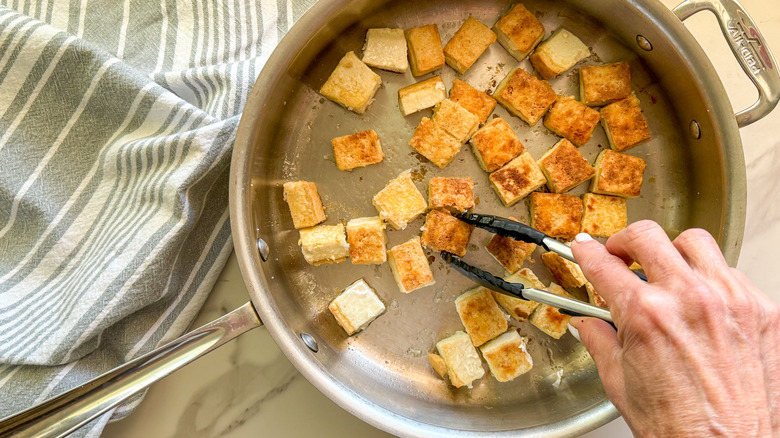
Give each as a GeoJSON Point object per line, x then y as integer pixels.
{"type": "Point", "coordinates": [70, 410]}
{"type": "Point", "coordinates": [749, 48]}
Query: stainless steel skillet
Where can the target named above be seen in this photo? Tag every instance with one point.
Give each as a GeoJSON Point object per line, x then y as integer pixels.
{"type": "Point", "coordinates": [382, 375]}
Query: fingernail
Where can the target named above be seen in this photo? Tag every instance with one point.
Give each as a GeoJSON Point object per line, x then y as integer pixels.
{"type": "Point", "coordinates": [583, 237]}
{"type": "Point", "coordinates": [574, 332]}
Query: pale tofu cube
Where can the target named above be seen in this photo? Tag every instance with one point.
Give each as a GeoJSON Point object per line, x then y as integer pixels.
{"type": "Point", "coordinates": [517, 308]}
{"type": "Point", "coordinates": [565, 167]}
{"type": "Point", "coordinates": [519, 31]}
{"type": "Point", "coordinates": [558, 53]}
{"type": "Point", "coordinates": [476, 102]}
{"type": "Point", "coordinates": [565, 273]}
{"type": "Point", "coordinates": [594, 297]}
{"type": "Point", "coordinates": [556, 215]}
{"type": "Point", "coordinates": [480, 314]}
{"type": "Point", "coordinates": [433, 142]}
{"type": "Point", "coordinates": [517, 179]}
{"type": "Point", "coordinates": [525, 96]}
{"type": "Point", "coordinates": [507, 356]}
{"type": "Point", "coordinates": [356, 307]}
{"type": "Point", "coordinates": [386, 49]}
{"type": "Point", "coordinates": [572, 120]}
{"type": "Point", "coordinates": [444, 232]}
{"type": "Point", "coordinates": [423, 94]}
{"type": "Point", "coordinates": [495, 144]}
{"type": "Point", "coordinates": [453, 194]}
{"type": "Point", "coordinates": [438, 365]}
{"type": "Point", "coordinates": [410, 266]}
{"type": "Point", "coordinates": [357, 150]}
{"type": "Point", "coordinates": [618, 174]}
{"type": "Point", "coordinates": [367, 240]}
{"type": "Point", "coordinates": [425, 51]}
{"type": "Point", "coordinates": [352, 84]}
{"type": "Point", "coordinates": [468, 44]}
{"type": "Point", "coordinates": [400, 202]}
{"type": "Point", "coordinates": [305, 203]}
{"type": "Point", "coordinates": [509, 252]}
{"type": "Point", "coordinates": [461, 358]}
{"type": "Point", "coordinates": [456, 120]}
{"type": "Point", "coordinates": [603, 215]}
{"type": "Point", "coordinates": [324, 244]}
{"type": "Point", "coordinates": [603, 84]}
{"type": "Point", "coordinates": [548, 319]}
{"type": "Point", "coordinates": [625, 124]}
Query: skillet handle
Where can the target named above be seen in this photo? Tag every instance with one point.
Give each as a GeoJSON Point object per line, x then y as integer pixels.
{"type": "Point", "coordinates": [70, 410]}
{"type": "Point", "coordinates": [749, 48]}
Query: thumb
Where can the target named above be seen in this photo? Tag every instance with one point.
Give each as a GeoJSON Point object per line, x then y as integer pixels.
{"type": "Point", "coordinates": [602, 343]}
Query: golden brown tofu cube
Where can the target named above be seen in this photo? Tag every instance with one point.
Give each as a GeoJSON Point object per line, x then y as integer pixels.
{"type": "Point", "coordinates": [410, 266]}
{"type": "Point", "coordinates": [453, 194]}
{"type": "Point", "coordinates": [425, 52]}
{"type": "Point", "coordinates": [565, 273]}
{"type": "Point", "coordinates": [509, 252]}
{"type": "Point", "coordinates": [481, 316]}
{"type": "Point", "coordinates": [475, 101]}
{"type": "Point", "coordinates": [519, 31]}
{"type": "Point", "coordinates": [507, 356]}
{"type": "Point", "coordinates": [443, 232]}
{"type": "Point", "coordinates": [603, 84]}
{"type": "Point", "coordinates": [594, 297]}
{"type": "Point", "coordinates": [603, 215]}
{"type": "Point", "coordinates": [367, 239]}
{"type": "Point", "coordinates": [625, 124]}
{"type": "Point", "coordinates": [462, 359]}
{"type": "Point", "coordinates": [517, 179]}
{"type": "Point", "coordinates": [556, 215]}
{"type": "Point", "coordinates": [357, 150]}
{"type": "Point", "coordinates": [565, 167]}
{"type": "Point", "coordinates": [433, 142]}
{"type": "Point", "coordinates": [304, 202]}
{"type": "Point", "coordinates": [525, 96]}
{"type": "Point", "coordinates": [421, 95]}
{"type": "Point", "coordinates": [495, 144]}
{"type": "Point", "coordinates": [548, 319]}
{"type": "Point", "coordinates": [456, 120]}
{"type": "Point", "coordinates": [558, 53]}
{"type": "Point", "coordinates": [517, 308]}
{"type": "Point", "coordinates": [468, 44]}
{"type": "Point", "coordinates": [324, 244]}
{"type": "Point", "coordinates": [572, 120]}
{"type": "Point", "coordinates": [438, 365]}
{"type": "Point", "coordinates": [352, 84]}
{"type": "Point", "coordinates": [618, 174]}
{"type": "Point", "coordinates": [386, 49]}
{"type": "Point", "coordinates": [400, 202]}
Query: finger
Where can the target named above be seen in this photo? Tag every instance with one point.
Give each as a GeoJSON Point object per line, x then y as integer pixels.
{"type": "Point", "coordinates": [601, 341]}
{"type": "Point", "coordinates": [700, 251]}
{"type": "Point", "coordinates": [647, 243]}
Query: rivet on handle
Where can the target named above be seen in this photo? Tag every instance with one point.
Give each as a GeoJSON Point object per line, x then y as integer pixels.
{"type": "Point", "coordinates": [644, 43]}
{"type": "Point", "coordinates": [695, 129]}
{"type": "Point", "coordinates": [310, 342]}
{"type": "Point", "coordinates": [263, 249]}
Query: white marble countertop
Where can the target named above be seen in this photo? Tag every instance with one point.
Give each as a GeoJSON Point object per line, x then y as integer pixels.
{"type": "Point", "coordinates": [248, 388]}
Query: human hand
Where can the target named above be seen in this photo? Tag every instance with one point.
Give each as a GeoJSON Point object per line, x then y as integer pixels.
{"type": "Point", "coordinates": [697, 351]}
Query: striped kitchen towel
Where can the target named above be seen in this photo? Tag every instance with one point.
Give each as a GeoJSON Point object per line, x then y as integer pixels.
{"type": "Point", "coordinates": [117, 120]}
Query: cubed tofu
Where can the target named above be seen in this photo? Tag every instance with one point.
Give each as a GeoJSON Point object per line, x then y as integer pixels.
{"type": "Point", "coordinates": [468, 44]}
{"type": "Point", "coordinates": [357, 150]}
{"type": "Point", "coordinates": [507, 356]}
{"type": "Point", "coordinates": [324, 244]}
{"type": "Point", "coordinates": [423, 94]}
{"type": "Point", "coordinates": [433, 142]}
{"type": "Point", "coordinates": [517, 179]}
{"type": "Point", "coordinates": [367, 239]}
{"type": "Point", "coordinates": [480, 314]}
{"type": "Point", "coordinates": [603, 215]}
{"type": "Point", "coordinates": [618, 174]}
{"type": "Point", "coordinates": [509, 252]}
{"type": "Point", "coordinates": [556, 215]}
{"type": "Point", "coordinates": [565, 167]}
{"type": "Point", "coordinates": [625, 124]}
{"type": "Point", "coordinates": [565, 273]}
{"type": "Point", "coordinates": [517, 308]}
{"type": "Point", "coordinates": [356, 307]}
{"type": "Point", "coordinates": [461, 358]}
{"type": "Point", "coordinates": [594, 297]}
{"type": "Point", "coordinates": [476, 102]}
{"type": "Point", "coordinates": [548, 319]}
{"type": "Point", "coordinates": [519, 31]}
{"type": "Point", "coordinates": [386, 49]}
{"type": "Point", "coordinates": [572, 120]}
{"type": "Point", "coordinates": [453, 194]}
{"type": "Point", "coordinates": [495, 144]}
{"type": "Point", "coordinates": [525, 96]}
{"type": "Point", "coordinates": [425, 51]}
{"type": "Point", "coordinates": [438, 365]}
{"type": "Point", "coordinates": [352, 84]}
{"type": "Point", "coordinates": [443, 232]}
{"type": "Point", "coordinates": [558, 53]}
{"type": "Point", "coordinates": [603, 84]}
{"type": "Point", "coordinates": [456, 120]}
{"type": "Point", "coordinates": [304, 202]}
{"type": "Point", "coordinates": [410, 266]}
{"type": "Point", "coordinates": [400, 202]}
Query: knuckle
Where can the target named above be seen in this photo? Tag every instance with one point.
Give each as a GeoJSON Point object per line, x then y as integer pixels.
{"type": "Point", "coordinates": [642, 232]}
{"type": "Point", "coordinates": [695, 237]}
